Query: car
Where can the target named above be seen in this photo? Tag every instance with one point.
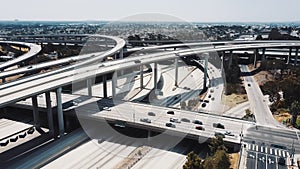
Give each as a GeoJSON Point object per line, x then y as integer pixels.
{"type": "Point", "coordinates": [170, 125]}
{"type": "Point", "coordinates": [174, 120]}
{"type": "Point", "coordinates": [29, 67]}
{"type": "Point", "coordinates": [146, 120]}
{"type": "Point", "coordinates": [281, 161]}
{"type": "Point", "coordinates": [199, 128]}
{"type": "Point", "coordinates": [197, 122]}
{"type": "Point", "coordinates": [203, 105]}
{"type": "Point", "coordinates": [228, 133]}
{"type": "Point", "coordinates": [249, 84]}
{"type": "Point", "coordinates": [218, 125]}
{"type": "Point", "coordinates": [171, 112]}
{"type": "Point", "coordinates": [151, 114]}
{"type": "Point", "coordinates": [106, 108]}
{"type": "Point", "coordinates": [185, 120]}
{"type": "Point", "coordinates": [218, 134]}
{"type": "Point", "coordinates": [137, 61]}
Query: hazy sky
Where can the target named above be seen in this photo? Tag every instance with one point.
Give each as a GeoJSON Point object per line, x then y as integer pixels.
{"type": "Point", "coordinates": [189, 10]}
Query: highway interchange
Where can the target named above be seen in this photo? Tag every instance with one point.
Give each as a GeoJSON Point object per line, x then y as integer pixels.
{"type": "Point", "coordinates": [264, 129]}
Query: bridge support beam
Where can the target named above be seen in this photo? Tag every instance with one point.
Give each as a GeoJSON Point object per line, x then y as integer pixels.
{"type": "Point", "coordinates": [176, 71]}
{"type": "Point", "coordinates": [155, 76]}
{"type": "Point", "coordinates": [89, 86]}
{"type": "Point", "coordinates": [60, 115]}
{"type": "Point", "coordinates": [289, 56]}
{"type": "Point", "coordinates": [263, 57]}
{"type": "Point", "coordinates": [114, 83]}
{"type": "Point", "coordinates": [255, 57]}
{"type": "Point", "coordinates": [206, 55]}
{"type": "Point", "coordinates": [230, 59]}
{"type": "Point", "coordinates": [104, 80]}
{"type": "Point", "coordinates": [36, 116]}
{"type": "Point", "coordinates": [296, 57]}
{"type": "Point", "coordinates": [3, 79]}
{"type": "Point", "coordinates": [141, 76]}
{"type": "Point", "coordinates": [49, 114]}
{"type": "Point", "coordinates": [121, 54]}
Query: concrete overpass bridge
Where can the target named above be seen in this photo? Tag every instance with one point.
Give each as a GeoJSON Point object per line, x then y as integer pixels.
{"type": "Point", "coordinates": [85, 70]}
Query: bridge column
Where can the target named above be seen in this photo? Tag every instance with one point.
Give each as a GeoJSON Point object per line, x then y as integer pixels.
{"type": "Point", "coordinates": [3, 79]}
{"type": "Point", "coordinates": [36, 116]}
{"type": "Point", "coordinates": [89, 86]}
{"type": "Point", "coordinates": [60, 114]}
{"type": "Point", "coordinates": [121, 54]}
{"type": "Point", "coordinates": [49, 114]}
{"type": "Point", "coordinates": [141, 76]}
{"type": "Point", "coordinates": [255, 57]}
{"type": "Point", "coordinates": [206, 55]}
{"type": "Point", "coordinates": [263, 57]}
{"type": "Point", "coordinates": [230, 58]}
{"type": "Point", "coordinates": [222, 61]}
{"type": "Point", "coordinates": [289, 56]}
{"type": "Point", "coordinates": [176, 71]}
{"type": "Point", "coordinates": [296, 57]}
{"type": "Point", "coordinates": [114, 83]}
{"type": "Point", "coordinates": [155, 76]}
{"type": "Point", "coordinates": [104, 80]}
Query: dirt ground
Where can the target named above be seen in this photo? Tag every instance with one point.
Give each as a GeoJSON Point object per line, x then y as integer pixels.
{"type": "Point", "coordinates": [234, 160]}
{"type": "Point", "coordinates": [234, 99]}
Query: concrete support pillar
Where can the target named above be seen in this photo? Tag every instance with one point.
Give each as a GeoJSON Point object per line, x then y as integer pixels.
{"type": "Point", "coordinates": [142, 76]}
{"type": "Point", "coordinates": [230, 58]}
{"type": "Point", "coordinates": [289, 56]}
{"type": "Point", "coordinates": [255, 57]}
{"type": "Point", "coordinates": [222, 61]}
{"type": "Point", "coordinates": [206, 55]}
{"type": "Point", "coordinates": [114, 83]}
{"type": "Point", "coordinates": [89, 86]}
{"type": "Point", "coordinates": [49, 114]}
{"type": "Point", "coordinates": [121, 54]}
{"type": "Point", "coordinates": [155, 76]}
{"type": "Point", "coordinates": [296, 57]}
{"type": "Point", "coordinates": [263, 57]}
{"type": "Point", "coordinates": [104, 80]}
{"type": "Point", "coordinates": [36, 116]}
{"type": "Point", "coordinates": [60, 115]}
{"type": "Point", "coordinates": [176, 71]}
{"type": "Point", "coordinates": [3, 79]}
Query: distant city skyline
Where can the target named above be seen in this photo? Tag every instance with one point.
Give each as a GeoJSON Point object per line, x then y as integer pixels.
{"type": "Point", "coordinates": [113, 10]}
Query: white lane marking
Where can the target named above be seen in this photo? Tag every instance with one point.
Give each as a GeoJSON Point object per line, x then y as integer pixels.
{"type": "Point", "coordinates": [270, 151]}
{"type": "Point", "coordinates": [256, 147]}
{"type": "Point", "coordinates": [283, 153]}
{"type": "Point", "coordinates": [266, 149]}
{"type": "Point", "coordinates": [275, 150]}
{"type": "Point", "coordinates": [262, 149]}
{"type": "Point", "coordinates": [279, 152]}
{"type": "Point", "coordinates": [287, 154]}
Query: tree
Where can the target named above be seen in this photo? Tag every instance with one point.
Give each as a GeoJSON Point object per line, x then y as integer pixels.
{"type": "Point", "coordinates": [295, 108]}
{"type": "Point", "coordinates": [221, 160]}
{"type": "Point", "coordinates": [216, 144]}
{"type": "Point", "coordinates": [193, 161]}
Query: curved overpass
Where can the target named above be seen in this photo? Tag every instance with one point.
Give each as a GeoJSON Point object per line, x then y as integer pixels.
{"type": "Point", "coordinates": [34, 50]}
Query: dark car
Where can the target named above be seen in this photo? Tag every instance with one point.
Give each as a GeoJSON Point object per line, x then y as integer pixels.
{"type": "Point", "coordinates": [217, 134]}
{"type": "Point", "coordinates": [185, 120]}
{"type": "Point", "coordinates": [249, 84]}
{"type": "Point", "coordinates": [146, 120]}
{"type": "Point", "coordinates": [137, 61]}
{"type": "Point", "coordinates": [197, 122]}
{"type": "Point", "coordinates": [171, 112]}
{"type": "Point", "coordinates": [281, 161]}
{"type": "Point", "coordinates": [219, 125]}
{"type": "Point", "coordinates": [151, 114]}
{"type": "Point", "coordinates": [170, 125]}
{"type": "Point", "coordinates": [199, 128]}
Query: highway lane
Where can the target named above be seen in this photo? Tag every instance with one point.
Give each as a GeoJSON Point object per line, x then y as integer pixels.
{"type": "Point", "coordinates": [258, 105]}
{"type": "Point", "coordinates": [34, 49]}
